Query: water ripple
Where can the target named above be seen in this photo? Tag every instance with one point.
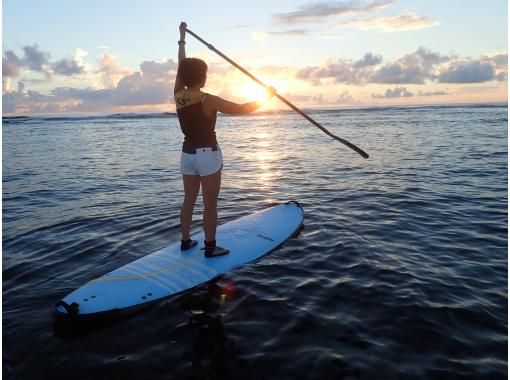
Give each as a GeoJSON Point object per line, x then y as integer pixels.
{"type": "Point", "coordinates": [400, 272]}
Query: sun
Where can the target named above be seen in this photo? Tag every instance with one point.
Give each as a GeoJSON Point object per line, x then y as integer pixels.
{"type": "Point", "coordinates": [252, 91]}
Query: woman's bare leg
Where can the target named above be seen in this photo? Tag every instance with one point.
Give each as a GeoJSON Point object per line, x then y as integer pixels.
{"type": "Point", "coordinates": [191, 189]}
{"type": "Point", "coordinates": [210, 191]}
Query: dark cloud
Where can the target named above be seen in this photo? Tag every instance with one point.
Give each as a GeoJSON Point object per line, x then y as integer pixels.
{"type": "Point", "coordinates": [318, 11]}
{"type": "Point", "coordinates": [25, 102]}
{"type": "Point", "coordinates": [500, 61]}
{"type": "Point", "coordinates": [398, 73]}
{"type": "Point", "coordinates": [10, 64]}
{"type": "Point", "coordinates": [341, 71]}
{"type": "Point", "coordinates": [467, 72]}
{"type": "Point", "coordinates": [368, 60]}
{"type": "Point", "coordinates": [35, 59]}
{"type": "Point", "coordinates": [38, 60]}
{"type": "Point", "coordinates": [502, 77]}
{"type": "Point", "coordinates": [67, 67]}
{"type": "Point", "coordinates": [424, 57]}
{"type": "Point", "coordinates": [397, 92]}
{"type": "Point", "coordinates": [411, 68]}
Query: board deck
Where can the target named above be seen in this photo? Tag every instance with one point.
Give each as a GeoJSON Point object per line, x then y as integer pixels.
{"type": "Point", "coordinates": [169, 271]}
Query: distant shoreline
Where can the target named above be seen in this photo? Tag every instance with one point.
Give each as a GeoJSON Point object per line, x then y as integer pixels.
{"type": "Point", "coordinates": [134, 115]}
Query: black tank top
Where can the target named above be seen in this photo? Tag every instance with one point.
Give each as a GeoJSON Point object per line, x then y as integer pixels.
{"type": "Point", "coordinates": [198, 129]}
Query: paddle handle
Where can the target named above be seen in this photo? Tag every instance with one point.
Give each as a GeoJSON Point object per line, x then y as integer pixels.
{"type": "Point", "coordinates": [358, 150]}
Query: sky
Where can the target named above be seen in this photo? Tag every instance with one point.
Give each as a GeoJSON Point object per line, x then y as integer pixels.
{"type": "Point", "coordinates": [100, 57]}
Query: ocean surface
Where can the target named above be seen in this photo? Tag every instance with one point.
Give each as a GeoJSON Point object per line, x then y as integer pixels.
{"type": "Point", "coordinates": [400, 272]}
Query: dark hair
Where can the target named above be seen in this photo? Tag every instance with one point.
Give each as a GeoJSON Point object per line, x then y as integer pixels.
{"type": "Point", "coordinates": [192, 71]}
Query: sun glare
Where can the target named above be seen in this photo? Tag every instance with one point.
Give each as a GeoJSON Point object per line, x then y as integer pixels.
{"type": "Point", "coordinates": [251, 91]}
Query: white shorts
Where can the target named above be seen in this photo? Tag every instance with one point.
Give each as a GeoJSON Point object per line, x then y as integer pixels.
{"type": "Point", "coordinates": [204, 162]}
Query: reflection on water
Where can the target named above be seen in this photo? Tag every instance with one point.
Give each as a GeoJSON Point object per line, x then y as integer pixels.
{"type": "Point", "coordinates": [212, 354]}
{"type": "Point", "coordinates": [259, 164]}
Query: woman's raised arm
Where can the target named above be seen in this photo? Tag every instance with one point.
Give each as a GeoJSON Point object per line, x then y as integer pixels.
{"type": "Point", "coordinates": [179, 84]}
{"type": "Point", "coordinates": [216, 104]}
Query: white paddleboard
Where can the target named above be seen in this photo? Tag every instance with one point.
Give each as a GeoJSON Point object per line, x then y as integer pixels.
{"type": "Point", "coordinates": [170, 271]}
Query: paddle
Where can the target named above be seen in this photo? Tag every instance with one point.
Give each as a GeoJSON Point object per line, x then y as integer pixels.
{"type": "Point", "coordinates": [361, 152]}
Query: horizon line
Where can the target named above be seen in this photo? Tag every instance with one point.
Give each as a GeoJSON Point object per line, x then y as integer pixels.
{"type": "Point", "coordinates": [265, 112]}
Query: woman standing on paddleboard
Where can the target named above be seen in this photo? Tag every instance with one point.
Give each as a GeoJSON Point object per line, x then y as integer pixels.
{"type": "Point", "coordinates": [201, 159]}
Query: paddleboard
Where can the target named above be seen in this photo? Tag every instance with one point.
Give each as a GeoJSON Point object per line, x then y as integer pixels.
{"type": "Point", "coordinates": [170, 271]}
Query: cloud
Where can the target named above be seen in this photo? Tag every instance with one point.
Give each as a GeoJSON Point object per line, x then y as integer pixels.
{"type": "Point", "coordinates": [11, 64]}
{"type": "Point", "coordinates": [23, 102]}
{"type": "Point", "coordinates": [345, 98]}
{"type": "Point", "coordinates": [67, 67]}
{"type": "Point", "coordinates": [416, 68]}
{"type": "Point", "coordinates": [432, 93]}
{"type": "Point", "coordinates": [411, 68]}
{"type": "Point", "coordinates": [158, 70]}
{"type": "Point", "coordinates": [468, 72]}
{"type": "Point", "coordinates": [368, 60]}
{"type": "Point", "coordinates": [397, 73]}
{"type": "Point", "coordinates": [404, 21]}
{"type": "Point", "coordinates": [290, 32]}
{"type": "Point", "coordinates": [340, 71]}
{"type": "Point", "coordinates": [499, 60]}
{"type": "Point", "coordinates": [320, 100]}
{"type": "Point", "coordinates": [500, 63]}
{"type": "Point", "coordinates": [35, 59]}
{"type": "Point", "coordinates": [314, 12]}
{"type": "Point", "coordinates": [397, 92]}
{"type": "Point", "coordinates": [38, 60]}
{"type": "Point", "coordinates": [111, 72]}
{"type": "Point", "coordinates": [403, 92]}
{"type": "Point", "coordinates": [342, 100]}
{"type": "Point", "coordinates": [149, 86]}
{"type": "Point", "coordinates": [262, 36]}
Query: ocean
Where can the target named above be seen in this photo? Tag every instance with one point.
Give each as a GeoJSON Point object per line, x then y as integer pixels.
{"type": "Point", "coordinates": [399, 273]}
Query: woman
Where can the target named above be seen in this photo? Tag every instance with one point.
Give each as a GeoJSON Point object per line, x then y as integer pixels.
{"type": "Point", "coordinates": [201, 159]}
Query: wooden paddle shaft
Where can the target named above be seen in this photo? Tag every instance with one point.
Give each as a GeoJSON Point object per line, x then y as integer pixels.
{"type": "Point", "coordinates": [361, 152]}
